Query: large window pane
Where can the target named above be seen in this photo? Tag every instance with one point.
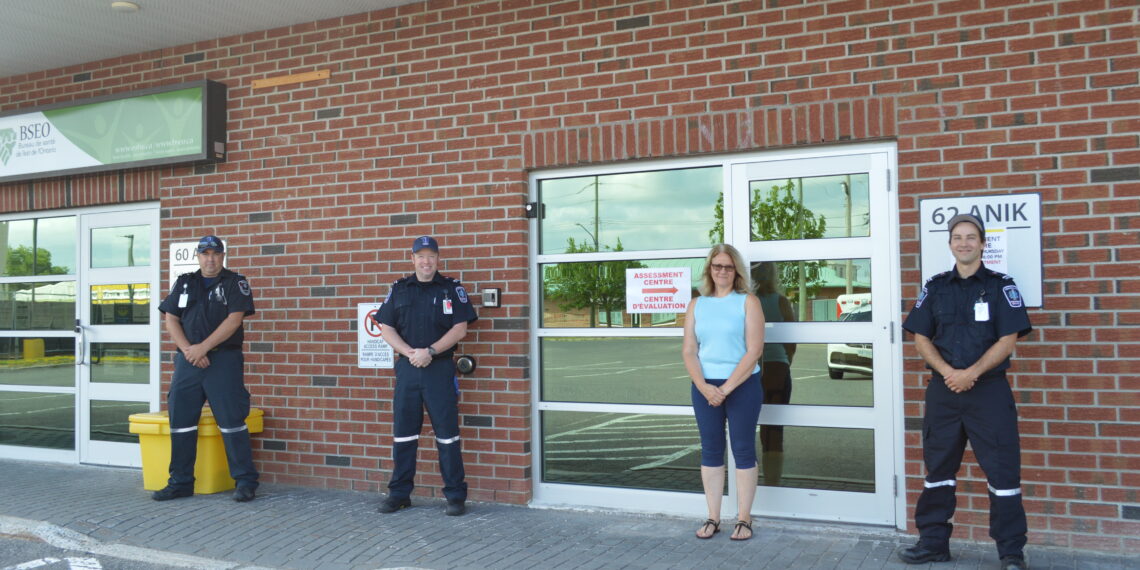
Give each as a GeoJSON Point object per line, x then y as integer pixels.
{"type": "Point", "coordinates": [37, 361]}
{"type": "Point", "coordinates": [812, 382]}
{"type": "Point", "coordinates": [44, 246]}
{"type": "Point", "coordinates": [120, 362]}
{"type": "Point", "coordinates": [110, 420]}
{"type": "Point", "coordinates": [120, 304]}
{"type": "Point", "coordinates": [810, 208]}
{"type": "Point", "coordinates": [818, 290]}
{"type": "Point", "coordinates": [621, 450]}
{"type": "Point", "coordinates": [592, 294]}
{"type": "Point", "coordinates": [668, 209]}
{"type": "Point", "coordinates": [125, 246]}
{"type": "Point", "coordinates": [806, 458]}
{"type": "Point", "coordinates": [615, 370]}
{"type": "Point", "coordinates": [40, 305]}
{"type": "Point", "coordinates": [35, 419]}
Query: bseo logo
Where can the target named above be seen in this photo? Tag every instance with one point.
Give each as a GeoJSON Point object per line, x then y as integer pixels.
{"type": "Point", "coordinates": [35, 131]}
{"type": "Point", "coordinates": [7, 144]}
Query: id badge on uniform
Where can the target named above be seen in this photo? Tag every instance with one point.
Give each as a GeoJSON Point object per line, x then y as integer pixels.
{"type": "Point", "coordinates": [981, 311]}
{"type": "Point", "coordinates": [182, 300]}
{"type": "Point", "coordinates": [447, 306]}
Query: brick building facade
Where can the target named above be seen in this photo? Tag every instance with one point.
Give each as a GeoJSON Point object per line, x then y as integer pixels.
{"type": "Point", "coordinates": [435, 115]}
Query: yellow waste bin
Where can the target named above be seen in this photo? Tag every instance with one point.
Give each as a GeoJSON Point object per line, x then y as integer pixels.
{"type": "Point", "coordinates": [211, 471]}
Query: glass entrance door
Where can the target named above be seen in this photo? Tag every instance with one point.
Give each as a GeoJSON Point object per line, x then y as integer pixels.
{"type": "Point", "coordinates": [614, 424]}
{"type": "Point", "coordinates": [820, 237]}
{"type": "Point", "coordinates": [117, 334]}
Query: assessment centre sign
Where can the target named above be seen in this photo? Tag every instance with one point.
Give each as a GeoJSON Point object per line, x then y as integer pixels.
{"type": "Point", "coordinates": [658, 290]}
{"type": "Point", "coordinates": [1013, 237]}
{"type": "Point", "coordinates": [371, 350]}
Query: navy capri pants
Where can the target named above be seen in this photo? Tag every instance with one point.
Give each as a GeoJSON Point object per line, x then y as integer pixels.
{"type": "Point", "coordinates": [741, 409]}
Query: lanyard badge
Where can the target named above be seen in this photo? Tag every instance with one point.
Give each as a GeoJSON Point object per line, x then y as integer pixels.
{"type": "Point", "coordinates": [184, 298]}
{"type": "Point", "coordinates": [447, 306]}
{"type": "Point", "coordinates": [981, 310]}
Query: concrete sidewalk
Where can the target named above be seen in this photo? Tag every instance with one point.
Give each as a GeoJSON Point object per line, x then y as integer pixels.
{"type": "Point", "coordinates": [103, 510]}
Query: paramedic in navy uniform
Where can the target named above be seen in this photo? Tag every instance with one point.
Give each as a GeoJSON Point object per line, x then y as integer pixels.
{"type": "Point", "coordinates": [423, 318]}
{"type": "Point", "coordinates": [965, 324]}
{"type": "Point", "coordinates": [203, 314]}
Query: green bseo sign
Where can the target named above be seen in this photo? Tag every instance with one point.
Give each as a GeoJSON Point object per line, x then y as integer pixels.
{"type": "Point", "coordinates": [166, 125]}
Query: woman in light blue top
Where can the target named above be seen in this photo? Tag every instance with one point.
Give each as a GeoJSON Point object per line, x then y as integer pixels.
{"type": "Point", "coordinates": [724, 337]}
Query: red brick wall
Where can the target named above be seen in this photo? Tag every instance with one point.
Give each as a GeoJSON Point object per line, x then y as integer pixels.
{"type": "Point", "coordinates": [435, 111]}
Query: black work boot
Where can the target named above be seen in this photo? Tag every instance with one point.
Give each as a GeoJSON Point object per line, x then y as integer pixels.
{"type": "Point", "coordinates": [921, 554]}
{"type": "Point", "coordinates": [168, 493]}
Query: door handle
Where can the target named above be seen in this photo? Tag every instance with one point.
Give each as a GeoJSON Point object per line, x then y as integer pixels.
{"type": "Point", "coordinates": [82, 340]}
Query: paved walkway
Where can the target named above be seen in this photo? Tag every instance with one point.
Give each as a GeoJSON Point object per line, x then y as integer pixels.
{"type": "Point", "coordinates": [106, 511]}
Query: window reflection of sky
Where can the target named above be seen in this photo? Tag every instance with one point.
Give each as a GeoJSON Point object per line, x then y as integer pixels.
{"type": "Point", "coordinates": [825, 195]}
{"type": "Point", "coordinates": [56, 235]}
{"type": "Point", "coordinates": [645, 210]}
{"type": "Point", "coordinates": [109, 246]}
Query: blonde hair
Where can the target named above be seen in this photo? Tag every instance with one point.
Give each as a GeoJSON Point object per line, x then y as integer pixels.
{"type": "Point", "coordinates": [741, 282]}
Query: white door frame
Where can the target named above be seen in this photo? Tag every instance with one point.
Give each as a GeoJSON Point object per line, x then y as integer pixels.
{"type": "Point", "coordinates": [881, 246]}
{"type": "Point", "coordinates": [887, 505]}
{"type": "Point", "coordinates": [89, 333]}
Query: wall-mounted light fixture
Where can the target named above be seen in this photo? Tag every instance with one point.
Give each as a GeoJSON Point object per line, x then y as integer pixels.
{"type": "Point", "coordinates": [124, 7]}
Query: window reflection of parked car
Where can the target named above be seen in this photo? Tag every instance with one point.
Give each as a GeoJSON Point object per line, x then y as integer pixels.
{"type": "Point", "coordinates": [850, 357]}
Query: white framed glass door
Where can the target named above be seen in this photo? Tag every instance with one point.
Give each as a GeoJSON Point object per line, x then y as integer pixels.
{"type": "Point", "coordinates": [613, 423]}
{"type": "Point", "coordinates": [117, 331]}
{"type": "Point", "coordinates": [821, 233]}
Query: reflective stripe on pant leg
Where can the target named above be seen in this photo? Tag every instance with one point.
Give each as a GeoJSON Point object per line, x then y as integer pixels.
{"type": "Point", "coordinates": [992, 427]}
{"type": "Point", "coordinates": [442, 403]}
{"type": "Point", "coordinates": [230, 402]}
{"type": "Point", "coordinates": [943, 443]}
{"type": "Point", "coordinates": [407, 422]}
{"type": "Point", "coordinates": [184, 404]}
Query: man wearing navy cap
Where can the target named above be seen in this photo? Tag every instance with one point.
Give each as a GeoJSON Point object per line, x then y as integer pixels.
{"type": "Point", "coordinates": [965, 324]}
{"type": "Point", "coordinates": [203, 314]}
{"type": "Point", "coordinates": [423, 318]}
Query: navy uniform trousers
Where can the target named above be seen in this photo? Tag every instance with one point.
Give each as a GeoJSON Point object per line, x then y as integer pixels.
{"type": "Point", "coordinates": [986, 416]}
{"type": "Point", "coordinates": [435, 388]}
{"type": "Point", "coordinates": [222, 384]}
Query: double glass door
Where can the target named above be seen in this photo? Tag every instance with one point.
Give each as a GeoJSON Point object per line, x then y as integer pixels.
{"type": "Point", "coordinates": [79, 336]}
{"type": "Point", "coordinates": [817, 229]}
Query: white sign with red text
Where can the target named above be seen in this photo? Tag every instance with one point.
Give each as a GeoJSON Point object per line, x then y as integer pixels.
{"type": "Point", "coordinates": [371, 350]}
{"type": "Point", "coordinates": [658, 290]}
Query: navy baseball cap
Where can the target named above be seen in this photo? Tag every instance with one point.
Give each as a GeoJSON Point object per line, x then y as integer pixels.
{"type": "Point", "coordinates": [967, 218]}
{"type": "Point", "coordinates": [211, 242]}
{"type": "Point", "coordinates": [425, 241]}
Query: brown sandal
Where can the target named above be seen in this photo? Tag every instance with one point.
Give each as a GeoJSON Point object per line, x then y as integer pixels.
{"type": "Point", "coordinates": [736, 529]}
{"type": "Point", "coordinates": [715, 526]}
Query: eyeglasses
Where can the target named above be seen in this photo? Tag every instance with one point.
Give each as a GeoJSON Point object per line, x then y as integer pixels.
{"type": "Point", "coordinates": [719, 267]}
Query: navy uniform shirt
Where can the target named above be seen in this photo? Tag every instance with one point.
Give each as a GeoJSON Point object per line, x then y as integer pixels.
{"type": "Point", "coordinates": [946, 312]}
{"type": "Point", "coordinates": [207, 306]}
{"type": "Point", "coordinates": [418, 309]}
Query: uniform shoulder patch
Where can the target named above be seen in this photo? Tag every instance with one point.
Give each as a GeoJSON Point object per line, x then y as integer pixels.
{"type": "Point", "coordinates": [922, 294]}
{"type": "Point", "coordinates": [461, 293]}
{"type": "Point", "coordinates": [392, 289]}
{"type": "Point", "coordinates": [1012, 295]}
{"type": "Point", "coordinates": [243, 286]}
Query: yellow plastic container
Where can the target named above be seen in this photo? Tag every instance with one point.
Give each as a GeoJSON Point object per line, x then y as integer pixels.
{"type": "Point", "coordinates": [211, 472]}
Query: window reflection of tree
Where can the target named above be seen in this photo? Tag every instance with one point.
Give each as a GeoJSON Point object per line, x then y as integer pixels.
{"type": "Point", "coordinates": [596, 286]}
{"type": "Point", "coordinates": [778, 214]}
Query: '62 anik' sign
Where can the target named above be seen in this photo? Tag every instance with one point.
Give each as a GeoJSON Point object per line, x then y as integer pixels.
{"type": "Point", "coordinates": [1013, 237]}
